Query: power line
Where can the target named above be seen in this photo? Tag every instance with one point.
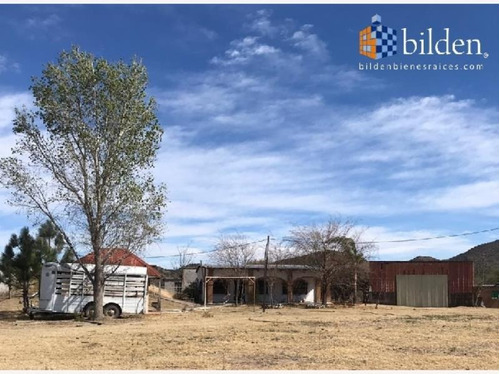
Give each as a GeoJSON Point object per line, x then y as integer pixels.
{"type": "Point", "coordinates": [374, 242]}
{"type": "Point", "coordinates": [212, 250]}
{"type": "Point", "coordinates": [432, 237]}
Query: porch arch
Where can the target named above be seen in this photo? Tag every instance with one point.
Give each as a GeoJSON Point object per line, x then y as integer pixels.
{"type": "Point", "coordinates": [303, 290]}
{"type": "Point", "coordinates": [274, 292]}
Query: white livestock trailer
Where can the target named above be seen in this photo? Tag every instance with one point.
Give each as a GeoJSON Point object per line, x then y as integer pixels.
{"type": "Point", "coordinates": [66, 288]}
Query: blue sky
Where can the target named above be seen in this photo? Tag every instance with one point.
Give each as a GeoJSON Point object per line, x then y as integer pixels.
{"type": "Point", "coordinates": [269, 123]}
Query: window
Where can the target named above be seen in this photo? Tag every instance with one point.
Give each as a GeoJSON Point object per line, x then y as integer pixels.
{"type": "Point", "coordinates": [262, 288]}
{"type": "Point", "coordinates": [178, 287]}
{"type": "Point", "coordinates": [284, 288]}
{"type": "Point", "coordinates": [300, 287]}
{"type": "Point", "coordinates": [220, 287]}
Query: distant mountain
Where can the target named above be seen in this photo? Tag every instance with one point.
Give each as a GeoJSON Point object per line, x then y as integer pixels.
{"type": "Point", "coordinates": [485, 257]}
{"type": "Point", "coordinates": [424, 258]}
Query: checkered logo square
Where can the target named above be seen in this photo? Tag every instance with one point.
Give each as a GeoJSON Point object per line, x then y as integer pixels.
{"type": "Point", "coordinates": [377, 41]}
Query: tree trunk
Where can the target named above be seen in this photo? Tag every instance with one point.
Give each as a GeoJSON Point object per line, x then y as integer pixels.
{"type": "Point", "coordinates": [324, 289]}
{"type": "Point", "coordinates": [354, 299]}
{"type": "Point", "coordinates": [477, 294]}
{"type": "Point", "coordinates": [270, 292]}
{"type": "Point", "coordinates": [25, 297]}
{"type": "Point", "coordinates": [98, 285]}
{"type": "Point", "coordinates": [236, 289]}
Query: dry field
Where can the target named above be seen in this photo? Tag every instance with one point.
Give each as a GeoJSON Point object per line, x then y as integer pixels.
{"type": "Point", "coordinates": [240, 338]}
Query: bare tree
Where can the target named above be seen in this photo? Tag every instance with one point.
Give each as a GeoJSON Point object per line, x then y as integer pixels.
{"type": "Point", "coordinates": [331, 250]}
{"type": "Point", "coordinates": [357, 252]}
{"type": "Point", "coordinates": [480, 279]}
{"type": "Point", "coordinates": [278, 253]}
{"type": "Point", "coordinates": [236, 252]}
{"type": "Point", "coordinates": [183, 258]}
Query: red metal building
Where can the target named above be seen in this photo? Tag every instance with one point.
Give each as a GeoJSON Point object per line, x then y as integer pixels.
{"type": "Point", "coordinates": [460, 275]}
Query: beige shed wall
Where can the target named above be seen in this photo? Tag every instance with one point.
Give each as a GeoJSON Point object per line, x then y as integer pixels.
{"type": "Point", "coordinates": [422, 290]}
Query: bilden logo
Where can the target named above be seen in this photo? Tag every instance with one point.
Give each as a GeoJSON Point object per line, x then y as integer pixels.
{"type": "Point", "coordinates": [377, 41]}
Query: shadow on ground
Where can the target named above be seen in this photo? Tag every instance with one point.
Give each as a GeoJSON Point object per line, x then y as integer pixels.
{"type": "Point", "coordinates": [12, 315]}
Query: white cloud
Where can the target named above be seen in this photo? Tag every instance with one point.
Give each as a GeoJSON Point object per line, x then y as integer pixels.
{"type": "Point", "coordinates": [190, 32]}
{"type": "Point", "coordinates": [429, 136]}
{"type": "Point", "coordinates": [441, 249]}
{"type": "Point", "coordinates": [256, 143]}
{"type": "Point", "coordinates": [325, 167]}
{"type": "Point", "coordinates": [8, 102]}
{"type": "Point", "coordinates": [7, 64]}
{"type": "Point", "coordinates": [309, 42]}
{"type": "Point", "coordinates": [477, 195]}
{"type": "Point", "coordinates": [283, 150]}
{"type": "Point", "coordinates": [283, 49]}
{"type": "Point", "coordinates": [261, 23]}
{"type": "Point", "coordinates": [3, 63]}
{"type": "Point", "coordinates": [5, 207]}
{"type": "Point", "coordinates": [7, 141]}
{"type": "Point", "coordinates": [42, 23]}
{"type": "Point", "coordinates": [243, 51]}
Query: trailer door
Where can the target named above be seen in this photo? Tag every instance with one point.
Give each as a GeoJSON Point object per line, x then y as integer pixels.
{"type": "Point", "coordinates": [48, 282]}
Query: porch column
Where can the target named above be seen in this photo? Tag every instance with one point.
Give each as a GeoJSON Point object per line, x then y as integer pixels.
{"type": "Point", "coordinates": [289, 287]}
{"type": "Point", "coordinates": [250, 288]}
{"type": "Point", "coordinates": [329, 294]}
{"type": "Point", "coordinates": [210, 287]}
{"type": "Point", "coordinates": [210, 291]}
{"type": "Point", "coordinates": [317, 291]}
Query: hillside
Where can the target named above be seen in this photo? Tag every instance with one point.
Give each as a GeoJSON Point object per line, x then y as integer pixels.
{"type": "Point", "coordinates": [485, 257]}
{"type": "Point", "coordinates": [423, 258]}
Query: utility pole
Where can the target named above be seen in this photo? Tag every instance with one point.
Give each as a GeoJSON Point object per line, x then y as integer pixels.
{"type": "Point", "coordinates": [266, 258]}
{"type": "Point", "coordinates": [159, 294]}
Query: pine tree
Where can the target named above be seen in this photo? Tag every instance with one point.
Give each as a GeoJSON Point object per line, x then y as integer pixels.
{"type": "Point", "coordinates": [6, 266]}
{"type": "Point", "coordinates": [26, 263]}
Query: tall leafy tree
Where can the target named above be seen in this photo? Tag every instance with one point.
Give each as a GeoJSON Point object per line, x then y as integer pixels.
{"type": "Point", "coordinates": [84, 158]}
{"type": "Point", "coordinates": [357, 252]}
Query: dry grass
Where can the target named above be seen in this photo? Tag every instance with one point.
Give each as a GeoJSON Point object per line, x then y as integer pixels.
{"type": "Point", "coordinates": [240, 338]}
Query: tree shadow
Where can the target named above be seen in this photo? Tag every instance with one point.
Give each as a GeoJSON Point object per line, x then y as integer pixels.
{"type": "Point", "coordinates": [12, 315]}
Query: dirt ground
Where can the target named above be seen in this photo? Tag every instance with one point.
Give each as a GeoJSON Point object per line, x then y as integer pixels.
{"type": "Point", "coordinates": [241, 338]}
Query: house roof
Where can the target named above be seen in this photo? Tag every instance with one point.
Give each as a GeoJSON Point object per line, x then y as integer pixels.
{"type": "Point", "coordinates": [122, 256]}
{"type": "Point", "coordinates": [260, 267]}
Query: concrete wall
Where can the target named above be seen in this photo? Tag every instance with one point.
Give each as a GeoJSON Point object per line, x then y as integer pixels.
{"type": "Point", "coordinates": [188, 276]}
{"type": "Point", "coordinates": [169, 286]}
{"type": "Point", "coordinates": [275, 293]}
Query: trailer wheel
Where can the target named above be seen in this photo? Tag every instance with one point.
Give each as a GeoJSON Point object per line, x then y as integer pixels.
{"type": "Point", "coordinates": [112, 310]}
{"type": "Point", "coordinates": [89, 310]}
